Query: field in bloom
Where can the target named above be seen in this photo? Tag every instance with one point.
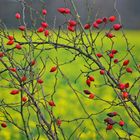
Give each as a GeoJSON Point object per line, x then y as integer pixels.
{"type": "Point", "coordinates": [67, 105]}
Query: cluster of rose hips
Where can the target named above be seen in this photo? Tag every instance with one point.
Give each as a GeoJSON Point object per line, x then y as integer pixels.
{"type": "Point", "coordinates": [105, 20]}
{"type": "Point", "coordinates": [25, 98]}
{"type": "Point", "coordinates": [95, 24]}
{"type": "Point", "coordinates": [11, 42]}
{"type": "Point", "coordinates": [32, 63]}
{"type": "Point", "coordinates": [4, 124]}
{"type": "Point", "coordinates": [41, 29]}
{"type": "Point", "coordinates": [16, 91]}
{"type": "Point", "coordinates": [90, 94]}
{"type": "Point", "coordinates": [24, 78]}
{"type": "Point", "coordinates": [71, 26]}
{"type": "Point", "coordinates": [121, 86]}
{"type": "Point", "coordinates": [128, 69]}
{"type": "Point", "coordinates": [58, 122]}
{"type": "Point", "coordinates": [110, 122]}
{"type": "Point", "coordinates": [111, 55]}
{"type": "Point", "coordinates": [21, 27]}
{"type": "Point", "coordinates": [44, 25]}
{"type": "Point", "coordinates": [124, 86]}
{"type": "Point", "coordinates": [88, 82]}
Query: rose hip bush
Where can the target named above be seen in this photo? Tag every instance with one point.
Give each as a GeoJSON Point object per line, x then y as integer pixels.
{"type": "Point", "coordinates": [100, 80]}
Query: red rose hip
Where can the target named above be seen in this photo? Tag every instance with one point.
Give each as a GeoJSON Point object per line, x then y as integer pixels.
{"type": "Point", "coordinates": [3, 124]}
{"type": "Point", "coordinates": [53, 69]}
{"type": "Point", "coordinates": [17, 15]}
{"type": "Point", "coordinates": [121, 123]}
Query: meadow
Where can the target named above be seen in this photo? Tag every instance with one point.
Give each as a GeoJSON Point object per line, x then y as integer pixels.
{"type": "Point", "coordinates": [67, 106]}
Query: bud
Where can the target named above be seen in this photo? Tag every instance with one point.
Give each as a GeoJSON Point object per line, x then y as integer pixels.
{"type": "Point", "coordinates": [46, 33]}
{"type": "Point", "coordinates": [112, 18]}
{"type": "Point", "coordinates": [110, 35]}
{"type": "Point", "coordinates": [116, 61]}
{"type": "Point", "coordinates": [3, 124]}
{"type": "Point", "coordinates": [14, 92]}
{"type": "Point", "coordinates": [95, 25]}
{"type": "Point", "coordinates": [72, 23]}
{"type": "Point", "coordinates": [10, 37]}
{"type": "Point", "coordinates": [23, 78]}
{"type": "Point", "coordinates": [33, 62]}
{"type": "Point", "coordinates": [87, 26]}
{"type": "Point", "coordinates": [114, 51]}
{"type": "Point", "coordinates": [126, 62]}
{"type": "Point", "coordinates": [44, 24]}
{"type": "Point", "coordinates": [102, 72]}
{"type": "Point", "coordinates": [87, 92]}
{"type": "Point", "coordinates": [17, 15]}
{"type": "Point", "coordinates": [1, 54]}
{"type": "Point", "coordinates": [121, 123]}
{"type": "Point", "coordinates": [112, 114]}
{"type": "Point", "coordinates": [18, 46]}
{"type": "Point", "coordinates": [22, 28]}
{"type": "Point", "coordinates": [111, 55]}
{"type": "Point", "coordinates": [91, 96]}
{"type": "Point", "coordinates": [88, 82]}
{"type": "Point", "coordinates": [13, 69]}
{"type": "Point", "coordinates": [40, 81]}
{"type": "Point", "coordinates": [109, 127]}
{"type": "Point", "coordinates": [71, 28]}
{"type": "Point", "coordinates": [121, 86]}
{"type": "Point", "coordinates": [91, 78]}
{"type": "Point", "coordinates": [24, 98]}
{"type": "Point", "coordinates": [51, 103]}
{"type": "Point", "coordinates": [40, 30]}
{"type": "Point", "coordinates": [99, 55]}
{"type": "Point", "coordinates": [10, 42]}
{"type": "Point", "coordinates": [99, 21]}
{"type": "Point", "coordinates": [129, 70]}
{"type": "Point", "coordinates": [58, 122]}
{"type": "Point", "coordinates": [44, 11]}
{"type": "Point", "coordinates": [125, 95]}
{"type": "Point", "coordinates": [53, 69]}
{"type": "Point", "coordinates": [117, 27]}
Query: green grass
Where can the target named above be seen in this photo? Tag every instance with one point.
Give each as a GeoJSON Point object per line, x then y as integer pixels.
{"type": "Point", "coordinates": [67, 105]}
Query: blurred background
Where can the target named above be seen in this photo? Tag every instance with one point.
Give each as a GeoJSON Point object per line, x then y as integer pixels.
{"type": "Point", "coordinates": [128, 9]}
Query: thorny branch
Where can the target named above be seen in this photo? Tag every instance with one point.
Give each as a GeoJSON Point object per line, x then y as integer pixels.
{"type": "Point", "coordinates": [23, 69]}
